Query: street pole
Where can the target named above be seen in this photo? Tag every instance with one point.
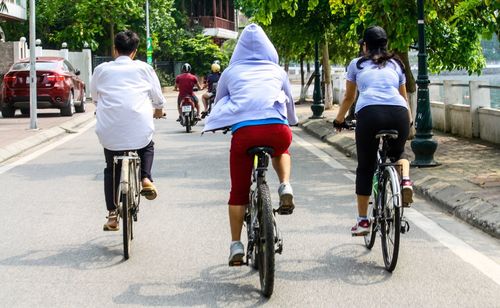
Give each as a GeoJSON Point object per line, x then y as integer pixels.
{"type": "Point", "coordinates": [33, 94]}
{"type": "Point", "coordinates": [149, 45]}
{"type": "Point", "coordinates": [423, 145]}
{"type": "Point", "coordinates": [318, 106]}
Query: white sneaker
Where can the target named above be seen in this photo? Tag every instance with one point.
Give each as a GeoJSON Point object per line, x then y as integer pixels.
{"type": "Point", "coordinates": [285, 192]}
{"type": "Point", "coordinates": [236, 253]}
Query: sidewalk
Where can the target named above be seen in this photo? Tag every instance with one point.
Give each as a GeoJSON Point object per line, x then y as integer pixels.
{"type": "Point", "coordinates": [466, 184]}
{"type": "Point", "coordinates": [16, 136]}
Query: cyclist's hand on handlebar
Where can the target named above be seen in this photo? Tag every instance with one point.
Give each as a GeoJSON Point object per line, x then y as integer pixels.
{"type": "Point", "coordinates": [339, 125]}
{"type": "Point", "coordinates": [158, 114]}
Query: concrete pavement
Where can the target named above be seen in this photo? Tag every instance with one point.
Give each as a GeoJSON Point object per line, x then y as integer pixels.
{"type": "Point", "coordinates": [466, 184]}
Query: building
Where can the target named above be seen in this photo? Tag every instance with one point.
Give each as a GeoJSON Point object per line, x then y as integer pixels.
{"type": "Point", "coordinates": [217, 17]}
{"type": "Point", "coordinates": [13, 10]}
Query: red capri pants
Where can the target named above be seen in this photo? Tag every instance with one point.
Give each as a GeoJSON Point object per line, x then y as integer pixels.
{"type": "Point", "coordinates": [277, 136]}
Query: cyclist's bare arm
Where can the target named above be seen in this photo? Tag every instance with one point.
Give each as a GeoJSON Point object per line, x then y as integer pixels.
{"type": "Point", "coordinates": [349, 97]}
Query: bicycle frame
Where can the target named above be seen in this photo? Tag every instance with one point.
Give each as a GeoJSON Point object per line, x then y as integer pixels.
{"type": "Point", "coordinates": [130, 160]}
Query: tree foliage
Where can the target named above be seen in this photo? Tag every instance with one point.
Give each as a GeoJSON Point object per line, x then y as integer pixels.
{"type": "Point", "coordinates": [453, 27]}
{"type": "Point", "coordinates": [96, 21]}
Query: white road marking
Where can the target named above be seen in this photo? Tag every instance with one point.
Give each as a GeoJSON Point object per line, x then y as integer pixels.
{"type": "Point", "coordinates": [459, 247]}
{"type": "Point", "coordinates": [322, 155]}
{"type": "Point", "coordinates": [45, 149]}
{"type": "Point", "coordinates": [463, 250]}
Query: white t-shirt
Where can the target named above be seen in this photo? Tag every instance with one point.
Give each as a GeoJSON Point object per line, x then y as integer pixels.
{"type": "Point", "coordinates": [377, 85]}
{"type": "Point", "coordinates": [126, 92]}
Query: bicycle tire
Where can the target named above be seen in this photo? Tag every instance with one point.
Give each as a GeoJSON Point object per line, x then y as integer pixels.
{"type": "Point", "coordinates": [390, 223]}
{"type": "Point", "coordinates": [126, 225]}
{"type": "Point", "coordinates": [266, 251]}
{"type": "Point", "coordinates": [370, 237]}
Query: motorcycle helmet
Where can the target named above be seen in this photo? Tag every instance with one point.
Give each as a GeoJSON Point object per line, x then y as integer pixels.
{"type": "Point", "coordinates": [186, 68]}
{"type": "Point", "coordinates": [215, 68]}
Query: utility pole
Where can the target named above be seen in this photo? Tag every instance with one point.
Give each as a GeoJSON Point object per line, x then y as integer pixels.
{"type": "Point", "coordinates": [33, 94]}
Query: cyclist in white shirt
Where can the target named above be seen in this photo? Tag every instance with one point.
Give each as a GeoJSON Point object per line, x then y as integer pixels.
{"type": "Point", "coordinates": [126, 91]}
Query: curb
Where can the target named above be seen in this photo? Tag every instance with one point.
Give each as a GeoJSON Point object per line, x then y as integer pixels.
{"type": "Point", "coordinates": [469, 206]}
{"type": "Point", "coordinates": [43, 136]}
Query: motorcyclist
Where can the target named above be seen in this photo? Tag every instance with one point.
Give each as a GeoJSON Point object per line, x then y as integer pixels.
{"type": "Point", "coordinates": [212, 78]}
{"type": "Point", "coordinates": [184, 83]}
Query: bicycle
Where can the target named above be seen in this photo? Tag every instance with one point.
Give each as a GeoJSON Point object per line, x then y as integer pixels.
{"type": "Point", "coordinates": [264, 237]}
{"type": "Point", "coordinates": [127, 197]}
{"type": "Point", "coordinates": [385, 206]}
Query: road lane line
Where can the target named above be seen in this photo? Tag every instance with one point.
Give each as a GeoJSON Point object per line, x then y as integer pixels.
{"type": "Point", "coordinates": [46, 148]}
{"type": "Point", "coordinates": [459, 247]}
{"type": "Point", "coordinates": [463, 250]}
{"type": "Point", "coordinates": [320, 154]}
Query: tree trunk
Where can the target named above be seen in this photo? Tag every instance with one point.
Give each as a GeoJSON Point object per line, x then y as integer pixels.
{"type": "Point", "coordinates": [112, 37]}
{"type": "Point", "coordinates": [328, 95]}
{"type": "Point", "coordinates": [305, 88]}
{"type": "Point", "coordinates": [411, 89]}
{"type": "Point", "coordinates": [302, 81]}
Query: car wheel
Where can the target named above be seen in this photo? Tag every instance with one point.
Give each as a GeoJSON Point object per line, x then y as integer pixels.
{"type": "Point", "coordinates": [67, 111]}
{"type": "Point", "coordinates": [81, 106]}
{"type": "Point", "coordinates": [8, 111]}
{"type": "Point", "coordinates": [25, 111]}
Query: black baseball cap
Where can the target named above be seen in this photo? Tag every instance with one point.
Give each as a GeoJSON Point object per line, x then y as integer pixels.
{"type": "Point", "coordinates": [374, 36]}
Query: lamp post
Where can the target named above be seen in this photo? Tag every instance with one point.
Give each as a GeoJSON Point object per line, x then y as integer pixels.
{"type": "Point", "coordinates": [318, 105]}
{"type": "Point", "coordinates": [423, 145]}
{"type": "Point", "coordinates": [33, 94]}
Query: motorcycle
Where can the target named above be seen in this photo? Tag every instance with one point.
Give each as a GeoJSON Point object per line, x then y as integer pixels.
{"type": "Point", "coordinates": [211, 100]}
{"type": "Point", "coordinates": [188, 113]}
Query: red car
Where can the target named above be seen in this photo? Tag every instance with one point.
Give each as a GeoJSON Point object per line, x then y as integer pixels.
{"type": "Point", "coordinates": [58, 86]}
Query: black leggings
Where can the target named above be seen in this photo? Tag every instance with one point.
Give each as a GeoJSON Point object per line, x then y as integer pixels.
{"type": "Point", "coordinates": [370, 120]}
{"type": "Point", "coordinates": [146, 154]}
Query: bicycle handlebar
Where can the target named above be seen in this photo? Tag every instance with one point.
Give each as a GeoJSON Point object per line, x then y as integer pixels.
{"type": "Point", "coordinates": [344, 125]}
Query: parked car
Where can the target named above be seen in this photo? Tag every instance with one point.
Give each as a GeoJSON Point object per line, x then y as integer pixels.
{"type": "Point", "coordinates": [58, 86]}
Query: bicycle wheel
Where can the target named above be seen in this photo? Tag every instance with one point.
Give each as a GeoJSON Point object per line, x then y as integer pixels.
{"type": "Point", "coordinates": [390, 222]}
{"type": "Point", "coordinates": [372, 212]}
{"type": "Point", "coordinates": [265, 241]}
{"type": "Point", "coordinates": [252, 231]}
{"type": "Point", "coordinates": [126, 224]}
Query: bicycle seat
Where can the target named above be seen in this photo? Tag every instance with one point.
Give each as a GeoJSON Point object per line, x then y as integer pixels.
{"type": "Point", "coordinates": [391, 133]}
{"type": "Point", "coordinates": [257, 150]}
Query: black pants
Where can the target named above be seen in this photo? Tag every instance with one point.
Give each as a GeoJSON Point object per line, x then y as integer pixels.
{"type": "Point", "coordinates": [146, 154]}
{"type": "Point", "coordinates": [370, 120]}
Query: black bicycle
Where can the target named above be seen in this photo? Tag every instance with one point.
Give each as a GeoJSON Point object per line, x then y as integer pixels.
{"type": "Point", "coordinates": [264, 237]}
{"type": "Point", "coordinates": [128, 195]}
{"type": "Point", "coordinates": [385, 206]}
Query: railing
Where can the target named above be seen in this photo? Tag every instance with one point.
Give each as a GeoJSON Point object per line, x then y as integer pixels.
{"type": "Point", "coordinates": [215, 22]}
{"type": "Point", "coordinates": [465, 109]}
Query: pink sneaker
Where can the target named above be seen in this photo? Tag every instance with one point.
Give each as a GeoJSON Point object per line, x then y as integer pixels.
{"type": "Point", "coordinates": [407, 192]}
{"type": "Point", "coordinates": [361, 228]}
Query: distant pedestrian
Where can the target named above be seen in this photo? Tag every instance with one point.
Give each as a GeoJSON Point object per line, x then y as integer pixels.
{"type": "Point", "coordinates": [382, 104]}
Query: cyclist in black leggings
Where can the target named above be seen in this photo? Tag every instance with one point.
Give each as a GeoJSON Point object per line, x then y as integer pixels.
{"type": "Point", "coordinates": [382, 104]}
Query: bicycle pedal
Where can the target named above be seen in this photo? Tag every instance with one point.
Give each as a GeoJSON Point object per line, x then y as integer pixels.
{"type": "Point", "coordinates": [360, 234]}
{"type": "Point", "coordinates": [237, 263]}
{"type": "Point", "coordinates": [405, 226]}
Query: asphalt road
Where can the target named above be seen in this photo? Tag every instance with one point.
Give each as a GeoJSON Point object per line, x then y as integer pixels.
{"type": "Point", "coordinates": [53, 252]}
